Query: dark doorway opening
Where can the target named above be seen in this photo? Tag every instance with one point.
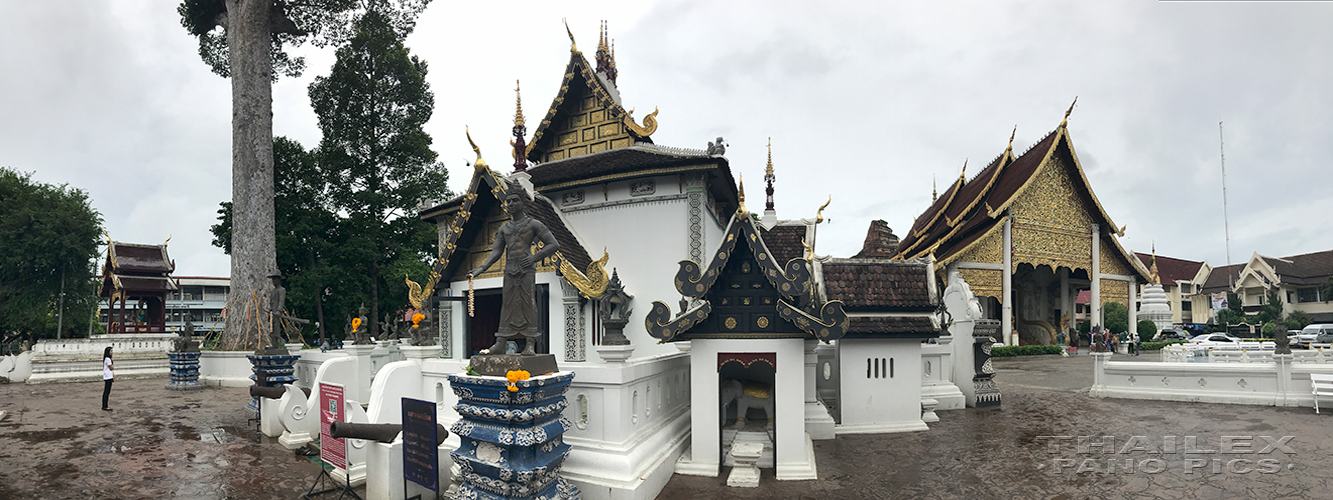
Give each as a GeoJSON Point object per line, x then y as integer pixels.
{"type": "Point", "coordinates": [485, 321]}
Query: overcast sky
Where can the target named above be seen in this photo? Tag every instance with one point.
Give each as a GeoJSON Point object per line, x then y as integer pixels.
{"type": "Point", "coordinates": [869, 102]}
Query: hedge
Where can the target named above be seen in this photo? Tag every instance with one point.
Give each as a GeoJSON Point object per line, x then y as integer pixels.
{"type": "Point", "coordinates": [1023, 350]}
{"type": "Point", "coordinates": [1156, 346]}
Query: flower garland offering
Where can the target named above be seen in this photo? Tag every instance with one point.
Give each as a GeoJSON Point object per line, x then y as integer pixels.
{"type": "Point", "coordinates": [356, 324]}
{"type": "Point", "coordinates": [416, 319]}
{"type": "Point", "coordinates": [514, 376]}
{"type": "Point", "coordinates": [470, 300]}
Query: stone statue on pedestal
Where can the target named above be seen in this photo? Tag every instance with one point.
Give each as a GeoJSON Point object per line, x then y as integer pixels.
{"type": "Point", "coordinates": [277, 299]}
{"type": "Point", "coordinates": [361, 327]}
{"type": "Point", "coordinates": [518, 309]}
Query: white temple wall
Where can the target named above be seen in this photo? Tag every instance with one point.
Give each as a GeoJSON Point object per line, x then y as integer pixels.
{"type": "Point", "coordinates": [880, 386]}
{"type": "Point", "coordinates": [1281, 382]}
{"type": "Point", "coordinates": [140, 355]}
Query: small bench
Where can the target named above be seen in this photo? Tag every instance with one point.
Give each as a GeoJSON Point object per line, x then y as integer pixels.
{"type": "Point", "coordinates": [1322, 385]}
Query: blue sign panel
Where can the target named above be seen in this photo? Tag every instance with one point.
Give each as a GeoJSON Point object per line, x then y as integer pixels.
{"type": "Point", "coordinates": [421, 456]}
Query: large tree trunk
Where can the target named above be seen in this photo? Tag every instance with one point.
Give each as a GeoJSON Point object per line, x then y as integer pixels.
{"type": "Point", "coordinates": [253, 249]}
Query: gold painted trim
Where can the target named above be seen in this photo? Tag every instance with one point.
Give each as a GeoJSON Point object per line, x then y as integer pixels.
{"type": "Point", "coordinates": [649, 123]}
{"type": "Point", "coordinates": [939, 264]}
{"type": "Point", "coordinates": [1044, 164]}
{"type": "Point", "coordinates": [628, 175]}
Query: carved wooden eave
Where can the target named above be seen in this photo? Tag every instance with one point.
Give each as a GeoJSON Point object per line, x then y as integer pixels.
{"type": "Point", "coordinates": [585, 117]}
{"type": "Point", "coordinates": [133, 269]}
{"type": "Point", "coordinates": [791, 281]}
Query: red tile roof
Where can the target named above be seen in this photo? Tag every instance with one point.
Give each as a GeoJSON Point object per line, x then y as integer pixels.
{"type": "Point", "coordinates": [878, 285]}
{"type": "Point", "coordinates": [784, 242]}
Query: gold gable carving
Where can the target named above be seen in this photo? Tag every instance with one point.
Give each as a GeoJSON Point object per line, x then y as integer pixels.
{"type": "Point", "coordinates": [1051, 227]}
{"type": "Point", "coordinates": [984, 282]}
{"type": "Point", "coordinates": [583, 118]}
{"type": "Point", "coordinates": [1111, 261]}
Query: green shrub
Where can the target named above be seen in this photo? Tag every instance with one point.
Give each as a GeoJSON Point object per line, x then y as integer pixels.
{"type": "Point", "coordinates": [1154, 346]}
{"type": "Point", "coordinates": [1147, 328]}
{"type": "Point", "coordinates": [1023, 350]}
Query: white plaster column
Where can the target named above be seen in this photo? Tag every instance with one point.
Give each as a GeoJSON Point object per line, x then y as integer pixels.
{"type": "Point", "coordinates": [818, 423]}
{"type": "Point", "coordinates": [1007, 290]}
{"type": "Point", "coordinates": [1133, 306]}
{"type": "Point", "coordinates": [1096, 276]}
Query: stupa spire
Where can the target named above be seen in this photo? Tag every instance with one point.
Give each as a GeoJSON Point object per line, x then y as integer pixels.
{"type": "Point", "coordinates": [934, 191]}
{"type": "Point", "coordinates": [606, 62]}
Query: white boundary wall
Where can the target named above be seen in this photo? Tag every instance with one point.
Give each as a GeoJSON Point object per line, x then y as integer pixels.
{"type": "Point", "coordinates": [1278, 380]}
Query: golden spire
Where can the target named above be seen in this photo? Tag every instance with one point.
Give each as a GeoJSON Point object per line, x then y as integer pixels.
{"type": "Point", "coordinates": [573, 47]}
{"type": "Point", "coordinates": [963, 175]}
{"type": "Point", "coordinates": [934, 193]}
{"type": "Point", "coordinates": [768, 171]}
{"type": "Point", "coordinates": [1010, 147]}
{"type": "Point", "coordinates": [480, 164]}
{"type": "Point", "coordinates": [1068, 111]}
{"type": "Point", "coordinates": [518, 105]}
{"type": "Point", "coordinates": [740, 195]}
{"type": "Point", "coordinates": [1153, 278]}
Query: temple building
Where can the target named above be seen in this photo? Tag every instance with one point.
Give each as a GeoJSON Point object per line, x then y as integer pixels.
{"type": "Point", "coordinates": [136, 281]}
{"type": "Point", "coordinates": [719, 313]}
{"type": "Point", "coordinates": [1028, 233]}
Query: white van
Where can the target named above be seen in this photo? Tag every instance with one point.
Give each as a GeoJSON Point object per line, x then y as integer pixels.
{"type": "Point", "coordinates": [1315, 334]}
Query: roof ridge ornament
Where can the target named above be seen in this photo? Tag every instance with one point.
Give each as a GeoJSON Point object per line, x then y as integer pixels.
{"type": "Point", "coordinates": [649, 123]}
{"type": "Point", "coordinates": [769, 178]}
{"type": "Point", "coordinates": [740, 195]}
{"type": "Point", "coordinates": [480, 164]}
{"type": "Point", "coordinates": [573, 47]}
{"type": "Point", "coordinates": [819, 214]}
{"type": "Point", "coordinates": [1010, 148]}
{"type": "Point", "coordinates": [1065, 122]}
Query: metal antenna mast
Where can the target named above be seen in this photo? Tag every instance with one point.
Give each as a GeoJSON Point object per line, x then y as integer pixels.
{"type": "Point", "coordinates": [1226, 226]}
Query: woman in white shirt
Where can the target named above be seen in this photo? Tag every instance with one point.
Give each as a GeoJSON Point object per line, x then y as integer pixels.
{"type": "Point", "coordinates": [107, 377]}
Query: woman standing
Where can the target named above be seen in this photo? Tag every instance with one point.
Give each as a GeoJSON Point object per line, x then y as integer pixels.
{"type": "Point", "coordinates": [107, 377]}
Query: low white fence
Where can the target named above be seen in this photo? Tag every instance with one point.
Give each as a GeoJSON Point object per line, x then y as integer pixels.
{"type": "Point", "coordinates": [1245, 377]}
{"type": "Point", "coordinates": [141, 355]}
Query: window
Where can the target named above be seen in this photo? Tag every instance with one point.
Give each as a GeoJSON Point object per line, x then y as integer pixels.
{"type": "Point", "coordinates": [1307, 294]}
{"type": "Point", "coordinates": [1186, 305]}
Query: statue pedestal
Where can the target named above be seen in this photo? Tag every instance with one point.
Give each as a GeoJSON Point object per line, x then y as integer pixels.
{"type": "Point", "coordinates": [184, 371]}
{"type": "Point", "coordinates": [499, 365]}
{"type": "Point", "coordinates": [510, 441]}
{"type": "Point", "coordinates": [420, 352]}
{"type": "Point", "coordinates": [615, 353]}
{"type": "Point", "coordinates": [271, 370]}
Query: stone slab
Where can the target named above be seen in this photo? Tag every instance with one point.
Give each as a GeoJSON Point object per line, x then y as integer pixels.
{"type": "Point", "coordinates": [498, 365]}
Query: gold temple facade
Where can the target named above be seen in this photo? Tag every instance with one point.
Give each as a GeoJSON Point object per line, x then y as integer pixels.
{"type": "Point", "coordinates": [1028, 232]}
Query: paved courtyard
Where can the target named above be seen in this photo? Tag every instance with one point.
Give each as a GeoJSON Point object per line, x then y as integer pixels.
{"type": "Point", "coordinates": [56, 443]}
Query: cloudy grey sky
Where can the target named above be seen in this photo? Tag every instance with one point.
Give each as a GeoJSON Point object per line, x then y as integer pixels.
{"type": "Point", "coordinates": [869, 102]}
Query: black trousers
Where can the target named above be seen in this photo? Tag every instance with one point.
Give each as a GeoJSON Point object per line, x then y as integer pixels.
{"type": "Point", "coordinates": [106, 391]}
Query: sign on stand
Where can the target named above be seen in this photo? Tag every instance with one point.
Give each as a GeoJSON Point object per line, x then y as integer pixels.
{"type": "Point", "coordinates": [421, 453]}
{"type": "Point", "coordinates": [331, 407]}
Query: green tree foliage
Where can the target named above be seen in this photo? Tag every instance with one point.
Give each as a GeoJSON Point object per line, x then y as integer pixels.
{"type": "Point", "coordinates": [1234, 305]}
{"type": "Point", "coordinates": [1272, 308]}
{"type": "Point", "coordinates": [48, 235]}
{"type": "Point", "coordinates": [1326, 289]}
{"type": "Point", "coordinates": [1116, 317]}
{"type": "Point", "coordinates": [1298, 320]}
{"type": "Point", "coordinates": [1147, 328]}
{"type": "Point", "coordinates": [377, 157]}
{"type": "Point", "coordinates": [246, 41]}
{"type": "Point", "coordinates": [1229, 317]}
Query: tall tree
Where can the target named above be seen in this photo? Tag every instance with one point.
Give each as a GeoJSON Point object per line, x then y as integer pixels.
{"type": "Point", "coordinates": [371, 109]}
{"type": "Point", "coordinates": [251, 50]}
{"type": "Point", "coordinates": [48, 235]}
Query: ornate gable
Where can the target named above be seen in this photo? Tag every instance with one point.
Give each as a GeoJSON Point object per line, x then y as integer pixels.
{"type": "Point", "coordinates": [742, 293]}
{"type": "Point", "coordinates": [585, 117]}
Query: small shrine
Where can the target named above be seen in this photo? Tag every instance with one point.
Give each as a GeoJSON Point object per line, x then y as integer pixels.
{"type": "Point", "coordinates": [139, 278]}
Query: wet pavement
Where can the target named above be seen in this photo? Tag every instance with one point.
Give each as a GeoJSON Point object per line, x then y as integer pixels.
{"type": "Point", "coordinates": [56, 443]}
{"type": "Point", "coordinates": [1003, 454]}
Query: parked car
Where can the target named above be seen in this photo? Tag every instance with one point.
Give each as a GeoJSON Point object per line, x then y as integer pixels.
{"type": "Point", "coordinates": [1171, 334]}
{"type": "Point", "coordinates": [1214, 339]}
{"type": "Point", "coordinates": [1315, 334]}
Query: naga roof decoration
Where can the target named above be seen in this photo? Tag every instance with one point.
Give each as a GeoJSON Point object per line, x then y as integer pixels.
{"type": "Point", "coordinates": [792, 282]}
{"type": "Point", "coordinates": [968, 211]}
{"type": "Point", "coordinates": [586, 116]}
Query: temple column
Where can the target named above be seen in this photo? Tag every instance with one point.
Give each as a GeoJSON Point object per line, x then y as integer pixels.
{"type": "Point", "coordinates": [1007, 291]}
{"type": "Point", "coordinates": [1065, 308]}
{"type": "Point", "coordinates": [1096, 276]}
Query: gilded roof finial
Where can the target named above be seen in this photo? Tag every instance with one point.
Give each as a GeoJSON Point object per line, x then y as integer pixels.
{"type": "Point", "coordinates": [769, 178]}
{"type": "Point", "coordinates": [819, 214]}
{"type": "Point", "coordinates": [740, 195]}
{"type": "Point", "coordinates": [1010, 147]}
{"type": "Point", "coordinates": [934, 192]}
{"type": "Point", "coordinates": [963, 175]}
{"type": "Point", "coordinates": [1068, 111]}
{"type": "Point", "coordinates": [480, 164]}
{"type": "Point", "coordinates": [518, 105]}
{"type": "Point", "coordinates": [520, 148]}
{"type": "Point", "coordinates": [606, 63]}
{"type": "Point", "coordinates": [573, 47]}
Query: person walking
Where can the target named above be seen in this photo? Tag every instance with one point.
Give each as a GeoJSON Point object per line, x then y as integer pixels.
{"type": "Point", "coordinates": [108, 376]}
